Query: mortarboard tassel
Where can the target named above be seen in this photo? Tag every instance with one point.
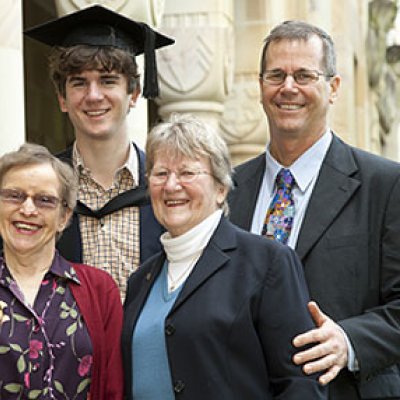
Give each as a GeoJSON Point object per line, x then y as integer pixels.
{"type": "Point", "coordinates": [150, 89]}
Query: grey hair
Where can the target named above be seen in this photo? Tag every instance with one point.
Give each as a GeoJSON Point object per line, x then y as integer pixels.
{"type": "Point", "coordinates": [187, 136]}
{"type": "Point", "coordinates": [34, 154]}
{"type": "Point", "coordinates": [299, 30]}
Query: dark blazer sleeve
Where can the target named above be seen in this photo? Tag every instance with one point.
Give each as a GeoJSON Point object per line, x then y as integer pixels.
{"type": "Point", "coordinates": [282, 315]}
{"type": "Point", "coordinates": [349, 244]}
{"type": "Point", "coordinates": [150, 229]}
{"type": "Point", "coordinates": [70, 243]}
{"type": "Point", "coordinates": [375, 334]}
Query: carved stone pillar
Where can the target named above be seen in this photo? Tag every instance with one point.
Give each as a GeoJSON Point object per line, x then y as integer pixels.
{"type": "Point", "coordinates": [149, 11]}
{"type": "Point", "coordinates": [11, 77]}
{"type": "Point", "coordinates": [382, 14]}
{"type": "Point", "coordinates": [244, 125]}
{"type": "Point", "coordinates": [351, 113]}
{"type": "Point", "coordinates": [196, 73]}
{"type": "Point", "coordinates": [392, 147]}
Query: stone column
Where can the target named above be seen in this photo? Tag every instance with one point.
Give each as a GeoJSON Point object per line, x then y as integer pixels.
{"type": "Point", "coordinates": [392, 143]}
{"type": "Point", "coordinates": [382, 14]}
{"type": "Point", "coordinates": [11, 76]}
{"type": "Point", "coordinates": [149, 11]}
{"type": "Point", "coordinates": [196, 73]}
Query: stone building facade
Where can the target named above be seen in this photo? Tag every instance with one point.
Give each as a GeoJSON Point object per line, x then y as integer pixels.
{"type": "Point", "coordinates": [212, 70]}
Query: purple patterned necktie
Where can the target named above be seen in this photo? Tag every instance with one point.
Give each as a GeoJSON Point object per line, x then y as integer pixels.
{"type": "Point", "coordinates": [279, 219]}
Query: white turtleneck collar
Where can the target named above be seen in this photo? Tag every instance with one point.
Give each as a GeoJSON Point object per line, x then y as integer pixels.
{"type": "Point", "coordinates": [183, 251]}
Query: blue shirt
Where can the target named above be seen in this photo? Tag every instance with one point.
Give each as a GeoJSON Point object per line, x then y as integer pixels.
{"type": "Point", "coordinates": [151, 378]}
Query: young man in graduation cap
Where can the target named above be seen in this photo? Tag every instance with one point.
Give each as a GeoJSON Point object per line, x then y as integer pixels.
{"type": "Point", "coordinates": [96, 77]}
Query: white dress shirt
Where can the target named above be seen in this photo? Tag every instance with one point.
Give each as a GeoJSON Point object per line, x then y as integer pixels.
{"type": "Point", "coordinates": [305, 171]}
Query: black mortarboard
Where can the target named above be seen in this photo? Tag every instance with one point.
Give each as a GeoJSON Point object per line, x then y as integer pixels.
{"type": "Point", "coordinates": [99, 26]}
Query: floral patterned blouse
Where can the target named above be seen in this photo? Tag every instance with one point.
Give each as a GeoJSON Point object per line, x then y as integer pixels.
{"type": "Point", "coordinates": [45, 350]}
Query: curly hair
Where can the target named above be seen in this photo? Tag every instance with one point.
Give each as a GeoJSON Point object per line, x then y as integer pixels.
{"type": "Point", "coordinates": [64, 62]}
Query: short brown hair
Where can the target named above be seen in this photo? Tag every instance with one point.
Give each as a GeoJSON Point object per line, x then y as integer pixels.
{"type": "Point", "coordinates": [64, 62]}
{"type": "Point", "coordinates": [299, 30]}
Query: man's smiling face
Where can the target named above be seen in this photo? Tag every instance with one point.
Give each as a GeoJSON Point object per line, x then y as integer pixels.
{"type": "Point", "coordinates": [97, 103]}
{"type": "Point", "coordinates": [294, 110]}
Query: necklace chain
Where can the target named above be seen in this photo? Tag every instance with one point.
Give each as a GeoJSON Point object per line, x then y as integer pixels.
{"type": "Point", "coordinates": [174, 282]}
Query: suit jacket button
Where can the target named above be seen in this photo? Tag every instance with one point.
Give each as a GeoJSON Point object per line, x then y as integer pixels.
{"type": "Point", "coordinates": [179, 386]}
{"type": "Point", "coordinates": [169, 329]}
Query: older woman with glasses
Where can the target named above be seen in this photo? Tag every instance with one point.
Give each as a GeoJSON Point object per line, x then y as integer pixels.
{"type": "Point", "coordinates": [60, 323]}
{"type": "Point", "coordinates": [212, 316]}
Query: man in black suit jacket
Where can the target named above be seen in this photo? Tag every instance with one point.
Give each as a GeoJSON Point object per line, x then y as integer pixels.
{"type": "Point", "coordinates": [346, 227]}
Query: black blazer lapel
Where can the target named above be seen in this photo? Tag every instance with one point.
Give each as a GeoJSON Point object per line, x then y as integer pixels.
{"type": "Point", "coordinates": [212, 259]}
{"type": "Point", "coordinates": [335, 186]}
{"type": "Point", "coordinates": [243, 197]}
{"type": "Point", "coordinates": [149, 272]}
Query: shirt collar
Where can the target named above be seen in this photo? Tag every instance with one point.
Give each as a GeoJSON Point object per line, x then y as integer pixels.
{"type": "Point", "coordinates": [305, 168]}
{"type": "Point", "coordinates": [63, 269]}
{"type": "Point", "coordinates": [131, 163]}
{"type": "Point", "coordinates": [59, 267]}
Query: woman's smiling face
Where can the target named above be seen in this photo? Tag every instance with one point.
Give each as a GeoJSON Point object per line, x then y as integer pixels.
{"type": "Point", "coordinates": [180, 206]}
{"type": "Point", "coordinates": [25, 228]}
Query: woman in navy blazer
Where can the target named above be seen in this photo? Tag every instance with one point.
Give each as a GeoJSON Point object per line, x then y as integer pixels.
{"type": "Point", "coordinates": [214, 314]}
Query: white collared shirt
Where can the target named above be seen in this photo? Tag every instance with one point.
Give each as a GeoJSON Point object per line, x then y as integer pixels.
{"type": "Point", "coordinates": [305, 171]}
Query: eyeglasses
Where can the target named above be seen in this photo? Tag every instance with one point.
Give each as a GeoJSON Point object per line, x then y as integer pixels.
{"type": "Point", "coordinates": [41, 201]}
{"type": "Point", "coordinates": [186, 176]}
{"type": "Point", "coordinates": [302, 77]}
